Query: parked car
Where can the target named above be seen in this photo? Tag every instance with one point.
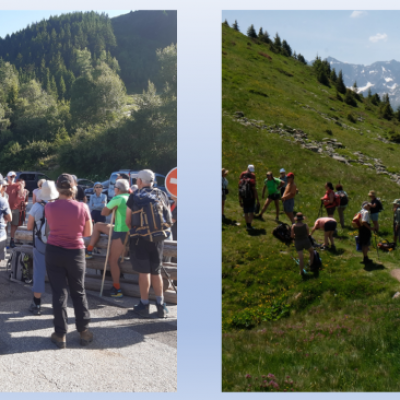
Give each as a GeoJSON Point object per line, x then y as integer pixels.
{"type": "Point", "coordinates": [89, 192]}
{"type": "Point", "coordinates": [158, 183]}
{"type": "Point", "coordinates": [31, 179]}
{"type": "Point", "coordinates": [85, 183]}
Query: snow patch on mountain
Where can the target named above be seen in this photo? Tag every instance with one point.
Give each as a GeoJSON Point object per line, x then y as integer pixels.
{"type": "Point", "coordinates": [366, 87]}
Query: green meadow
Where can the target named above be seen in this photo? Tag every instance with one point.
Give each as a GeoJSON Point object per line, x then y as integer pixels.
{"type": "Point", "coordinates": [334, 331]}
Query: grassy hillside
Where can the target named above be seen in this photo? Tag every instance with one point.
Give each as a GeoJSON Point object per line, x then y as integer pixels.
{"type": "Point", "coordinates": [335, 332]}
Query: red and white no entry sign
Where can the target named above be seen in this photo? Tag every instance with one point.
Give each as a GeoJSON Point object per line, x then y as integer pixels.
{"type": "Point", "coordinates": [171, 182]}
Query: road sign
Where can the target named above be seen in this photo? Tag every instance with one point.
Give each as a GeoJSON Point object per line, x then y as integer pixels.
{"type": "Point", "coordinates": [171, 182]}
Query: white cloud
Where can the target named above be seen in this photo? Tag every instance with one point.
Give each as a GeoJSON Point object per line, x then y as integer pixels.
{"type": "Point", "coordinates": [358, 14]}
{"type": "Point", "coordinates": [378, 37]}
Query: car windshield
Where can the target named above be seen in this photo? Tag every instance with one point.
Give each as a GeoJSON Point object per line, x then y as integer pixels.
{"type": "Point", "coordinates": [160, 180]}
{"type": "Point", "coordinates": [113, 178]}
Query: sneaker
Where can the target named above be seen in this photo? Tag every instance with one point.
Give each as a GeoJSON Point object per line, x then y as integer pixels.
{"type": "Point", "coordinates": [142, 310]}
{"type": "Point", "coordinates": [89, 255]}
{"type": "Point", "coordinates": [260, 217]}
{"type": "Point", "coordinates": [12, 244]}
{"type": "Point", "coordinates": [86, 337]}
{"type": "Point", "coordinates": [250, 228]}
{"type": "Point", "coordinates": [162, 310]}
{"type": "Point", "coordinates": [35, 310]}
{"type": "Point", "coordinates": [113, 292]}
{"type": "Point", "coordinates": [59, 340]}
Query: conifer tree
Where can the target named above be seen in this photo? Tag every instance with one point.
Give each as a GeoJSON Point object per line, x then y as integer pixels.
{"type": "Point", "coordinates": [295, 55]}
{"type": "Point", "coordinates": [333, 75]}
{"type": "Point", "coordinates": [369, 94]}
{"type": "Point", "coordinates": [349, 99]}
{"type": "Point", "coordinates": [235, 26]}
{"type": "Point", "coordinates": [301, 58]}
{"type": "Point", "coordinates": [226, 23]}
{"type": "Point", "coordinates": [355, 87]}
{"type": "Point", "coordinates": [265, 37]}
{"type": "Point", "coordinates": [260, 33]}
{"type": "Point", "coordinates": [340, 86]}
{"type": "Point", "coordinates": [61, 88]}
{"type": "Point", "coordinates": [251, 32]}
{"type": "Point", "coordinates": [277, 41]}
{"type": "Point", "coordinates": [287, 49]}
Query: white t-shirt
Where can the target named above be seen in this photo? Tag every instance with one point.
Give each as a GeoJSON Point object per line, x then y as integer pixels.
{"type": "Point", "coordinates": [35, 192]}
{"type": "Point", "coordinates": [365, 216]}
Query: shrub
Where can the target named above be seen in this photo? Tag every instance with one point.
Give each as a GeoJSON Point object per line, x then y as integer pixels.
{"type": "Point", "coordinates": [329, 132]}
{"type": "Point", "coordinates": [351, 118]}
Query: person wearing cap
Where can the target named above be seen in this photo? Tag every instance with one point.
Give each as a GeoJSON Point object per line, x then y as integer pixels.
{"type": "Point", "coordinates": [300, 234]}
{"type": "Point", "coordinates": [147, 256]}
{"type": "Point", "coordinates": [375, 208]}
{"type": "Point", "coordinates": [328, 225]}
{"type": "Point", "coordinates": [224, 190]}
{"type": "Point", "coordinates": [273, 185]}
{"type": "Point", "coordinates": [283, 177]}
{"type": "Point", "coordinates": [35, 192]}
{"type": "Point", "coordinates": [4, 184]}
{"type": "Point", "coordinates": [47, 192]}
{"type": "Point", "coordinates": [396, 220]}
{"type": "Point", "coordinates": [119, 235]}
{"type": "Point", "coordinates": [16, 192]}
{"type": "Point", "coordinates": [288, 196]}
{"type": "Point", "coordinates": [69, 222]}
{"type": "Point", "coordinates": [97, 202]}
{"type": "Point", "coordinates": [5, 218]}
{"type": "Point", "coordinates": [249, 203]}
{"type": "Point", "coordinates": [365, 231]}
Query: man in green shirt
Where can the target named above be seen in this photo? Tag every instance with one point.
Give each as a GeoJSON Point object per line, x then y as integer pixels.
{"type": "Point", "coordinates": [273, 185]}
{"type": "Point", "coordinates": [120, 232]}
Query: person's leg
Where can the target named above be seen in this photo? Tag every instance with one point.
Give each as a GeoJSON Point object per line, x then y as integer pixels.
{"type": "Point", "coordinates": [301, 260]}
{"type": "Point", "coordinates": [223, 207]}
{"type": "Point", "coordinates": [330, 237]}
{"type": "Point", "coordinates": [376, 225]}
{"type": "Point", "coordinates": [144, 286]}
{"type": "Point", "coordinates": [277, 208]}
{"type": "Point", "coordinates": [266, 204]}
{"type": "Point", "coordinates": [13, 230]}
{"type": "Point", "coordinates": [250, 217]}
{"type": "Point", "coordinates": [157, 283]}
{"type": "Point", "coordinates": [39, 275]}
{"type": "Point", "coordinates": [290, 216]}
{"type": "Point", "coordinates": [117, 246]}
{"type": "Point", "coordinates": [326, 239]}
{"type": "Point", "coordinates": [341, 217]}
{"type": "Point", "coordinates": [98, 229]}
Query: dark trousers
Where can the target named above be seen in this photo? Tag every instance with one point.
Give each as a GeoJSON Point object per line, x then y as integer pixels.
{"type": "Point", "coordinates": [66, 267]}
{"type": "Point", "coordinates": [97, 217]}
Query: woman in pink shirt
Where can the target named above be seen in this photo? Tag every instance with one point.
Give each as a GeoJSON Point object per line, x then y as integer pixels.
{"type": "Point", "coordinates": [328, 224]}
{"type": "Point", "coordinates": [69, 221]}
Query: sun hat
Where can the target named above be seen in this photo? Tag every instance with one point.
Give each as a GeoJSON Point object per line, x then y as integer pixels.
{"type": "Point", "coordinates": [290, 175]}
{"type": "Point", "coordinates": [251, 167]}
{"type": "Point", "coordinates": [48, 191]}
{"type": "Point", "coordinates": [299, 217]}
{"type": "Point", "coordinates": [11, 173]}
{"type": "Point", "coordinates": [282, 170]}
{"type": "Point", "coordinates": [224, 171]}
{"type": "Point", "coordinates": [98, 184]}
{"type": "Point", "coordinates": [146, 175]}
{"type": "Point", "coordinates": [65, 181]}
{"type": "Point", "coordinates": [122, 184]}
{"type": "Point", "coordinates": [4, 182]}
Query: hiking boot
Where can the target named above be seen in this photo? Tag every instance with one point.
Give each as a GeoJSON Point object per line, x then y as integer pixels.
{"type": "Point", "coordinates": [59, 340]}
{"type": "Point", "coordinates": [35, 310]}
{"type": "Point", "coordinates": [12, 243]}
{"type": "Point", "coordinates": [113, 292]}
{"type": "Point", "coordinates": [86, 337]}
{"type": "Point", "coordinates": [88, 255]}
{"type": "Point", "coordinates": [142, 309]}
{"type": "Point", "coordinates": [250, 228]}
{"type": "Point", "coordinates": [366, 260]}
{"type": "Point", "coordinates": [162, 310]}
{"type": "Point", "coordinates": [260, 217]}
{"type": "Point", "coordinates": [333, 248]}
{"type": "Point", "coordinates": [324, 247]}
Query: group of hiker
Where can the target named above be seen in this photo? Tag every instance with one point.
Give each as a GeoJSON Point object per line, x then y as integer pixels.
{"type": "Point", "coordinates": [283, 189]}
{"type": "Point", "coordinates": [60, 219]}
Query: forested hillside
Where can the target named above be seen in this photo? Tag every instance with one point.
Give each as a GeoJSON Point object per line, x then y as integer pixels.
{"type": "Point", "coordinates": [63, 96]}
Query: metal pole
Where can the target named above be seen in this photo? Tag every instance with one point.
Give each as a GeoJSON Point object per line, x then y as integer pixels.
{"type": "Point", "coordinates": [108, 252]}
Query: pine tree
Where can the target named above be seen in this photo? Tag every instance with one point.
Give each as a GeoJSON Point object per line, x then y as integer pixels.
{"type": "Point", "coordinates": [349, 99]}
{"type": "Point", "coordinates": [260, 33]}
{"type": "Point", "coordinates": [295, 55]}
{"type": "Point", "coordinates": [287, 49]}
{"type": "Point", "coordinates": [251, 32]}
{"type": "Point", "coordinates": [277, 41]}
{"type": "Point", "coordinates": [226, 23]}
{"type": "Point", "coordinates": [340, 86]}
{"type": "Point", "coordinates": [265, 37]}
{"type": "Point", "coordinates": [355, 87]}
{"type": "Point", "coordinates": [333, 75]}
{"type": "Point", "coordinates": [61, 88]}
{"type": "Point", "coordinates": [235, 26]}
{"type": "Point", "coordinates": [301, 58]}
{"type": "Point", "coordinates": [369, 94]}
{"type": "Point", "coordinates": [12, 97]}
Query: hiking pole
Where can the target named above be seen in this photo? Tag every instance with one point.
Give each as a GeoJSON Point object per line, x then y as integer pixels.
{"type": "Point", "coordinates": [320, 209]}
{"type": "Point", "coordinates": [108, 252]}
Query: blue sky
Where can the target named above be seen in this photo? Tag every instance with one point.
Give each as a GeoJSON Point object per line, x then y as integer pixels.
{"type": "Point", "coordinates": [358, 37]}
{"type": "Point", "coordinates": [13, 21]}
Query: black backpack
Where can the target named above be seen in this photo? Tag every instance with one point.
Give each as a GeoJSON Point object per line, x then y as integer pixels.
{"type": "Point", "coordinates": [317, 263]}
{"type": "Point", "coordinates": [282, 232]}
{"type": "Point", "coordinates": [344, 200]}
{"type": "Point", "coordinates": [379, 206]}
{"type": "Point", "coordinates": [245, 190]}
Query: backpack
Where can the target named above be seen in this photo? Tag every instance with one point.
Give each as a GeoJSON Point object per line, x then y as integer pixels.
{"type": "Point", "coordinates": [42, 231]}
{"type": "Point", "coordinates": [20, 266]}
{"type": "Point", "coordinates": [343, 199]}
{"type": "Point", "coordinates": [385, 246]}
{"type": "Point", "coordinates": [379, 206]}
{"type": "Point", "coordinates": [336, 200]}
{"type": "Point", "coordinates": [245, 190]}
{"type": "Point", "coordinates": [356, 222]}
{"type": "Point", "coordinates": [282, 232]}
{"type": "Point", "coordinates": [317, 263]}
{"type": "Point", "coordinates": [151, 215]}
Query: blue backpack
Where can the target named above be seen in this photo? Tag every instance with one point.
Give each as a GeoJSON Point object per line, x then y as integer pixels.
{"type": "Point", "coordinates": [151, 215]}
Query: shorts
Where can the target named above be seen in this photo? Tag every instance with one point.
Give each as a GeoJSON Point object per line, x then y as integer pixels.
{"type": "Point", "coordinates": [330, 211]}
{"type": "Point", "coordinates": [146, 257]}
{"type": "Point", "coordinates": [248, 208]}
{"type": "Point", "coordinates": [303, 244]}
{"type": "Point", "coordinates": [330, 226]}
{"type": "Point", "coordinates": [374, 217]}
{"type": "Point", "coordinates": [119, 235]}
{"type": "Point", "coordinates": [15, 217]}
{"type": "Point", "coordinates": [97, 217]}
{"type": "Point", "coordinates": [364, 236]}
{"type": "Point", "coordinates": [274, 196]}
{"type": "Point", "coordinates": [288, 205]}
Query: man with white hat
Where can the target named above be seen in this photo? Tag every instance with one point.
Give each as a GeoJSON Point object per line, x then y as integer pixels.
{"type": "Point", "coordinates": [248, 195]}
{"type": "Point", "coordinates": [16, 193]}
{"type": "Point", "coordinates": [5, 217]}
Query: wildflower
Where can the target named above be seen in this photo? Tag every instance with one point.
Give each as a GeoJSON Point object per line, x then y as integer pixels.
{"type": "Point", "coordinates": [271, 376]}
{"type": "Point", "coordinates": [248, 376]}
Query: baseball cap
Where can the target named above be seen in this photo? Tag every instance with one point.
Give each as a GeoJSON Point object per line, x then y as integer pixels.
{"type": "Point", "coordinates": [146, 175]}
{"type": "Point", "coordinates": [282, 170]}
{"type": "Point", "coordinates": [122, 184]}
{"type": "Point", "coordinates": [65, 181]}
{"type": "Point", "coordinates": [290, 175]}
{"type": "Point", "coordinates": [11, 173]}
{"type": "Point", "coordinates": [4, 182]}
{"type": "Point", "coordinates": [251, 168]}
{"type": "Point", "coordinates": [97, 184]}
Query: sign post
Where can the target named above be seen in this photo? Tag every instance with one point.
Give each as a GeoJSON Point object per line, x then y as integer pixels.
{"type": "Point", "coordinates": [171, 182]}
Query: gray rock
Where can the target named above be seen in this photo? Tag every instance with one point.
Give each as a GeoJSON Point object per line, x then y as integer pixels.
{"type": "Point", "coordinates": [239, 114]}
{"type": "Point", "coordinates": [339, 158]}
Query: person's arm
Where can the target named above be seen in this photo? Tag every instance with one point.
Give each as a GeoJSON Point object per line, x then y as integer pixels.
{"type": "Point", "coordinates": [33, 198]}
{"type": "Point", "coordinates": [308, 230]}
{"type": "Point", "coordinates": [372, 205]}
{"type": "Point", "coordinates": [88, 229]}
{"type": "Point", "coordinates": [263, 192]}
{"type": "Point", "coordinates": [7, 217]}
{"type": "Point", "coordinates": [281, 184]}
{"type": "Point", "coordinates": [104, 200]}
{"type": "Point", "coordinates": [315, 227]}
{"type": "Point", "coordinates": [128, 218]}
{"type": "Point", "coordinates": [31, 223]}
{"type": "Point", "coordinates": [108, 209]}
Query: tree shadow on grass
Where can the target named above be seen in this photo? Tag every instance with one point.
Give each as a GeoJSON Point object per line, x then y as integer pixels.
{"type": "Point", "coordinates": [257, 232]}
{"type": "Point", "coordinates": [373, 267]}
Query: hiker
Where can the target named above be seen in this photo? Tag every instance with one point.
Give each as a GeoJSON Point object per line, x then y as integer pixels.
{"type": "Point", "coordinates": [365, 231]}
{"type": "Point", "coordinates": [4, 184]}
{"type": "Point", "coordinates": [225, 190]}
{"type": "Point", "coordinates": [328, 224]}
{"type": "Point", "coordinates": [69, 222]}
{"type": "Point", "coordinates": [283, 177]}
{"type": "Point", "coordinates": [300, 234]}
{"type": "Point", "coordinates": [16, 193]}
{"type": "Point", "coordinates": [36, 220]}
{"type": "Point", "coordinates": [375, 208]}
{"type": "Point", "coordinates": [24, 203]}
{"type": "Point", "coordinates": [124, 176]}
{"type": "Point", "coordinates": [145, 250]}
{"type": "Point", "coordinates": [248, 195]}
{"type": "Point", "coordinates": [36, 191]}
{"type": "Point", "coordinates": [343, 203]}
{"type": "Point", "coordinates": [119, 236]}
{"type": "Point", "coordinates": [273, 185]}
{"type": "Point", "coordinates": [288, 197]}
{"type": "Point", "coordinates": [97, 202]}
{"type": "Point", "coordinates": [396, 220]}
{"type": "Point", "coordinates": [5, 218]}
{"type": "Point", "coordinates": [329, 199]}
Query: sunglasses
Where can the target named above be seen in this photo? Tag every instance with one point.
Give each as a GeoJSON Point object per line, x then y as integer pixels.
{"type": "Point", "coordinates": [99, 187]}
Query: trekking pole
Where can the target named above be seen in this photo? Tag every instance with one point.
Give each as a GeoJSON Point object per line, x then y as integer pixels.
{"type": "Point", "coordinates": [108, 252]}
{"type": "Point", "coordinates": [320, 209]}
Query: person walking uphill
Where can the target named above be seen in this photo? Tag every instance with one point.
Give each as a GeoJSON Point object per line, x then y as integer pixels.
{"type": "Point", "coordinates": [69, 222]}
{"type": "Point", "coordinates": [344, 200]}
{"type": "Point", "coordinates": [300, 233]}
{"type": "Point", "coordinates": [274, 185]}
{"type": "Point", "coordinates": [248, 195]}
{"type": "Point", "coordinates": [288, 197]}
{"type": "Point", "coordinates": [149, 217]}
